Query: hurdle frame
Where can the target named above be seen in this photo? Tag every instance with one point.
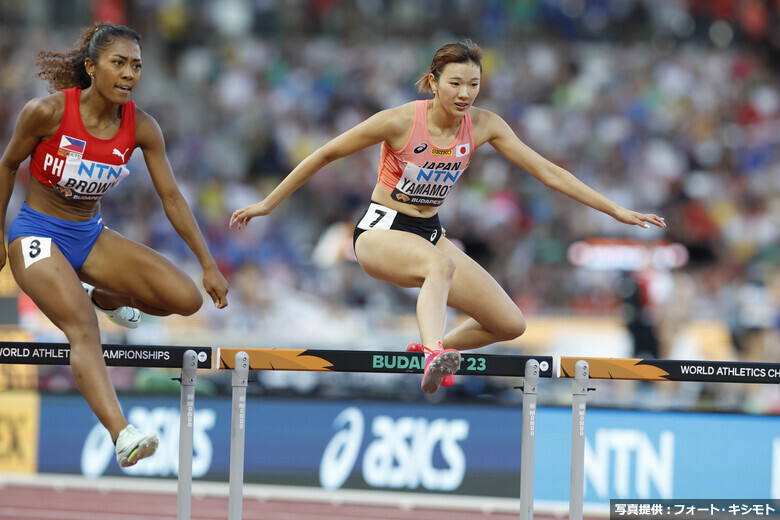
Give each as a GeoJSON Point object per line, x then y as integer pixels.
{"type": "Point", "coordinates": [188, 358]}
{"type": "Point", "coordinates": [528, 443]}
{"type": "Point", "coordinates": [530, 368]}
{"type": "Point", "coordinates": [241, 360]}
{"type": "Point", "coordinates": [583, 369]}
{"type": "Point", "coordinates": [186, 427]}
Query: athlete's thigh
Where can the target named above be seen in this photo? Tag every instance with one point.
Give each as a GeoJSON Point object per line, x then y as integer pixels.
{"type": "Point", "coordinates": [475, 292]}
{"type": "Point", "coordinates": [51, 282]}
{"type": "Point", "coordinates": [120, 265]}
{"type": "Point", "coordinates": [398, 257]}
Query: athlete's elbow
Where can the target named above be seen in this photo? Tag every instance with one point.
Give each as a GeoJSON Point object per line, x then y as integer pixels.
{"type": "Point", "coordinates": [8, 170]}
{"type": "Point", "coordinates": [173, 205]}
{"type": "Point", "coordinates": [322, 157]}
{"type": "Point", "coordinates": [550, 177]}
{"type": "Point", "coordinates": [326, 154]}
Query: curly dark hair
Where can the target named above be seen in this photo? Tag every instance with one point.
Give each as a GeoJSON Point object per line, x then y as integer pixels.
{"type": "Point", "coordinates": [66, 70]}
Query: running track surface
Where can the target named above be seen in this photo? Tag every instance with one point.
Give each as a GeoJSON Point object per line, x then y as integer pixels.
{"type": "Point", "coordinates": [20, 502]}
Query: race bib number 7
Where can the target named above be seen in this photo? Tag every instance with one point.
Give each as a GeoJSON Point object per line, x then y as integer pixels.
{"type": "Point", "coordinates": [377, 217]}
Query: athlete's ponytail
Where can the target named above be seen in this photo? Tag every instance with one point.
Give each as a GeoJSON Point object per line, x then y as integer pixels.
{"type": "Point", "coordinates": [460, 52]}
{"type": "Point", "coordinates": [66, 70]}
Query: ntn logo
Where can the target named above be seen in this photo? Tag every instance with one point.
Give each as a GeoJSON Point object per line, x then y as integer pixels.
{"type": "Point", "coordinates": [625, 463]}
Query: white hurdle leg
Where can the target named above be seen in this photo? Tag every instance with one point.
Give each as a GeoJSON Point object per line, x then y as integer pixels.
{"type": "Point", "coordinates": [187, 414]}
{"type": "Point", "coordinates": [530, 382]}
{"type": "Point", "coordinates": [579, 390]}
{"type": "Point", "coordinates": [237, 435]}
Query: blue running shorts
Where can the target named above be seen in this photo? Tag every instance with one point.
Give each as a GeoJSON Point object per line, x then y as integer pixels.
{"type": "Point", "coordinates": [74, 239]}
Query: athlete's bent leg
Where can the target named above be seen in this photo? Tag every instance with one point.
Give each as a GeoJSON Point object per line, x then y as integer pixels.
{"type": "Point", "coordinates": [493, 315]}
{"type": "Point", "coordinates": [407, 260]}
{"type": "Point", "coordinates": [128, 273]}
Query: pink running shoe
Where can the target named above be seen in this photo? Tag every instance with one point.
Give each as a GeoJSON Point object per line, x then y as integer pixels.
{"type": "Point", "coordinates": [418, 347]}
{"type": "Point", "coordinates": [438, 366]}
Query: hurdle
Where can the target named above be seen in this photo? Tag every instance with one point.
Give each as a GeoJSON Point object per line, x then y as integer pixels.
{"type": "Point", "coordinates": [582, 369]}
{"type": "Point", "coordinates": [188, 359]}
{"type": "Point", "coordinates": [241, 361]}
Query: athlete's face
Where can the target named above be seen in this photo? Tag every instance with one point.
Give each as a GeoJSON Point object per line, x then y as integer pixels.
{"type": "Point", "coordinates": [458, 86]}
{"type": "Point", "coordinates": [117, 71]}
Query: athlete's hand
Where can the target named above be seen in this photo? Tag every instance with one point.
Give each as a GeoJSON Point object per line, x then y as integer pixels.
{"type": "Point", "coordinates": [632, 218]}
{"type": "Point", "coordinates": [217, 287]}
{"type": "Point", "coordinates": [3, 254]}
{"type": "Point", "coordinates": [241, 217]}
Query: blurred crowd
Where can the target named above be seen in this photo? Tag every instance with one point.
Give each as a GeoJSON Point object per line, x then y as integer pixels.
{"type": "Point", "coordinates": [670, 107]}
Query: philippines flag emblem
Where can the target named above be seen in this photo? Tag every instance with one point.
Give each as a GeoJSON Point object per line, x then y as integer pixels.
{"type": "Point", "coordinates": [462, 150]}
{"type": "Point", "coordinates": [71, 145]}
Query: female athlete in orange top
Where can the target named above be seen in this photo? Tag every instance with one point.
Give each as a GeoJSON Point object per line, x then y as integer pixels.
{"type": "Point", "coordinates": [400, 241]}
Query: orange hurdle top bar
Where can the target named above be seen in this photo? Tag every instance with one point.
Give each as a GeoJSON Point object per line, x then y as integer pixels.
{"type": "Point", "coordinates": [376, 361]}
{"type": "Point", "coordinates": [674, 370]}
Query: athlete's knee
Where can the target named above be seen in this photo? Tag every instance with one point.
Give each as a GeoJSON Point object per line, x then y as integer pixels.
{"type": "Point", "coordinates": [442, 266]}
{"type": "Point", "coordinates": [190, 301]}
{"type": "Point", "coordinates": [193, 305]}
{"type": "Point", "coordinates": [83, 335]}
{"type": "Point", "coordinates": [185, 299]}
{"type": "Point", "coordinates": [511, 327]}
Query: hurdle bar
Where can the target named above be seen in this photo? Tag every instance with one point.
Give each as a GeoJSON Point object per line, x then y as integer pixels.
{"type": "Point", "coordinates": [530, 368]}
{"type": "Point", "coordinates": [188, 359]}
{"type": "Point", "coordinates": [583, 369]}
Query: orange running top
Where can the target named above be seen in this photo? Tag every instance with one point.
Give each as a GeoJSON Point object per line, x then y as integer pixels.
{"type": "Point", "coordinates": [420, 172]}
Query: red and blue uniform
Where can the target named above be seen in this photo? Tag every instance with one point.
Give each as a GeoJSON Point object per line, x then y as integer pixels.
{"type": "Point", "coordinates": [80, 167]}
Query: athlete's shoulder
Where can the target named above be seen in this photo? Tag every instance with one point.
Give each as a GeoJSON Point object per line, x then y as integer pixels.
{"type": "Point", "coordinates": [487, 125]}
{"type": "Point", "coordinates": [392, 123]}
{"type": "Point", "coordinates": [146, 127]}
{"type": "Point", "coordinates": [142, 117]}
{"type": "Point", "coordinates": [407, 108]}
{"type": "Point", "coordinates": [402, 114]}
{"type": "Point", "coordinates": [480, 116]}
{"type": "Point", "coordinates": [44, 113]}
{"type": "Point", "coordinates": [46, 107]}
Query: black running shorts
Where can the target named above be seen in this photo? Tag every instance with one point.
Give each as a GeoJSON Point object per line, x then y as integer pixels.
{"type": "Point", "coordinates": [382, 217]}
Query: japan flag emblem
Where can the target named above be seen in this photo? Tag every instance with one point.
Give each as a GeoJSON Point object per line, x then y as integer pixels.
{"type": "Point", "coordinates": [462, 150]}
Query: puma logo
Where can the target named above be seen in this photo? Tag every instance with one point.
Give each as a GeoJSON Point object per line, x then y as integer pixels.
{"type": "Point", "coordinates": [120, 154]}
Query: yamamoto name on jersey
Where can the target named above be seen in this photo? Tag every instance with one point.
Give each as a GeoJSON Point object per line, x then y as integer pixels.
{"type": "Point", "coordinates": [429, 186]}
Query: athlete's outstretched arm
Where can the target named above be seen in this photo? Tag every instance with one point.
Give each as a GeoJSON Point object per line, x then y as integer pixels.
{"type": "Point", "coordinates": [382, 126]}
{"type": "Point", "coordinates": [150, 139]}
{"type": "Point", "coordinates": [498, 133]}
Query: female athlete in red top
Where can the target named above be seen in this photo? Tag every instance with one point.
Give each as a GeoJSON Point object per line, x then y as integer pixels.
{"type": "Point", "coordinates": [80, 139]}
{"type": "Point", "coordinates": [399, 240]}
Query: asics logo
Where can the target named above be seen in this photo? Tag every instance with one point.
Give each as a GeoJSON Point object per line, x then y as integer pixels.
{"type": "Point", "coordinates": [120, 154]}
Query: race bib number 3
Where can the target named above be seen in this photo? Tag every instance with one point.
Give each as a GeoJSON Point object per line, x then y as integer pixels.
{"type": "Point", "coordinates": [34, 249]}
{"type": "Point", "coordinates": [377, 217]}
